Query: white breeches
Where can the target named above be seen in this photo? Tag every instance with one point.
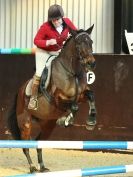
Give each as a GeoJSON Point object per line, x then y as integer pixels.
{"type": "Point", "coordinates": [41, 57]}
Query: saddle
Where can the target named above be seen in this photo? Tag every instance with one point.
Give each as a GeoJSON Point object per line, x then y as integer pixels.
{"type": "Point", "coordinates": [45, 78]}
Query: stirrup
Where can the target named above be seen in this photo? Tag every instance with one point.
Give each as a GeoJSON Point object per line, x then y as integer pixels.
{"type": "Point", "coordinates": [33, 103]}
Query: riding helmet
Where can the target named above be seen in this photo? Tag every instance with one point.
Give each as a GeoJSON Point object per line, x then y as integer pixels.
{"type": "Point", "coordinates": [55, 11]}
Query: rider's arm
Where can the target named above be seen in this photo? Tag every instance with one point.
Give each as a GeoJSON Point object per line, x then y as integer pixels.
{"type": "Point", "coordinates": [40, 38]}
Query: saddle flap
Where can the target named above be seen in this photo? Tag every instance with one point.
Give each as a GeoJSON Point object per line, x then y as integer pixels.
{"type": "Point", "coordinates": [45, 78]}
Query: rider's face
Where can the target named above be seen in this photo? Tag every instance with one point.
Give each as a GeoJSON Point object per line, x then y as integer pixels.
{"type": "Point", "coordinates": [57, 22]}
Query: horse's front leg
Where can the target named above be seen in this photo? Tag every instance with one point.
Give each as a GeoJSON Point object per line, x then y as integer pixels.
{"type": "Point", "coordinates": [68, 120]}
{"type": "Point", "coordinates": [91, 121]}
{"type": "Point", "coordinates": [40, 161]}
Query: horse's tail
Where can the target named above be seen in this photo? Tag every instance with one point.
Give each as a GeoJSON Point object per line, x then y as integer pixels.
{"type": "Point", "coordinates": [12, 121]}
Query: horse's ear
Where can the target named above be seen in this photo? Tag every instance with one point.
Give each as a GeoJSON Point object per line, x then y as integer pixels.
{"type": "Point", "coordinates": [89, 30]}
{"type": "Point", "coordinates": [73, 32]}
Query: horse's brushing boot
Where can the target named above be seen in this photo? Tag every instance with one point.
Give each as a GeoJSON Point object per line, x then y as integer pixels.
{"type": "Point", "coordinates": [68, 120]}
{"type": "Point", "coordinates": [65, 121]}
{"type": "Point", "coordinates": [91, 121]}
{"type": "Point", "coordinates": [33, 103]}
{"type": "Point", "coordinates": [92, 118]}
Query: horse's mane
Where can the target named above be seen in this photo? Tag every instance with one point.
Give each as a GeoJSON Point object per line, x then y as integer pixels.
{"type": "Point", "coordinates": [68, 39]}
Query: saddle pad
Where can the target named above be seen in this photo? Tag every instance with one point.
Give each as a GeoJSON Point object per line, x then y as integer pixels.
{"type": "Point", "coordinates": [48, 65]}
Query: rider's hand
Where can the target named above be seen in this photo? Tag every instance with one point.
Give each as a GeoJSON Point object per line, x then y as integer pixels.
{"type": "Point", "coordinates": [51, 42]}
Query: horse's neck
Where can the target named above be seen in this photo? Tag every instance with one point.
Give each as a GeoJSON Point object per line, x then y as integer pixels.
{"type": "Point", "coordinates": [69, 47]}
{"type": "Point", "coordinates": [68, 55]}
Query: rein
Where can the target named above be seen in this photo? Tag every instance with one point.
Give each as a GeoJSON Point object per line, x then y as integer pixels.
{"type": "Point", "coordinates": [73, 75]}
{"type": "Point", "coordinates": [66, 69]}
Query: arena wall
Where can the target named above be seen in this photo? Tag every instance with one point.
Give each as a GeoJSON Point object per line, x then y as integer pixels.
{"type": "Point", "coordinates": [113, 90]}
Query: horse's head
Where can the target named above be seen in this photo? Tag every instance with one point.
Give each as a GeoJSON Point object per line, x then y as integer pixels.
{"type": "Point", "coordinates": [83, 44]}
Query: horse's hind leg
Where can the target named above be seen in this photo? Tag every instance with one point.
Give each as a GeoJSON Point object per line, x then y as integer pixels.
{"type": "Point", "coordinates": [91, 121]}
{"type": "Point", "coordinates": [25, 128]}
{"type": "Point", "coordinates": [32, 167]}
{"type": "Point", "coordinates": [40, 161]}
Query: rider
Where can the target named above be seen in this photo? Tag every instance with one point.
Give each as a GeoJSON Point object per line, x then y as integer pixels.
{"type": "Point", "coordinates": [49, 41]}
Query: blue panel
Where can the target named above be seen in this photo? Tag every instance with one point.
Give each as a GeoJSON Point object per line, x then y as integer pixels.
{"type": "Point", "coordinates": [25, 175]}
{"type": "Point", "coordinates": [18, 144]}
{"type": "Point", "coordinates": [103, 170]}
{"type": "Point", "coordinates": [5, 51]}
{"type": "Point", "coordinates": [104, 145]}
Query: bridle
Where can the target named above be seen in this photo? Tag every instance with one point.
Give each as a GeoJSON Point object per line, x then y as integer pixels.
{"type": "Point", "coordinates": [80, 34]}
{"type": "Point", "coordinates": [81, 58]}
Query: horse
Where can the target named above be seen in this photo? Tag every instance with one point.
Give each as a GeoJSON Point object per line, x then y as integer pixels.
{"type": "Point", "coordinates": [67, 88]}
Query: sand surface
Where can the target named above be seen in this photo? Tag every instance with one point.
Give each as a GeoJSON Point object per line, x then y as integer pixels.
{"type": "Point", "coordinates": [13, 161]}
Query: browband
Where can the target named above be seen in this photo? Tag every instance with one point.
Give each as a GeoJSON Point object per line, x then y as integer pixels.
{"type": "Point", "coordinates": [81, 34]}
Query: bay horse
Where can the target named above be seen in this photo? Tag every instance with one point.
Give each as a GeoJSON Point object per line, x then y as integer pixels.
{"type": "Point", "coordinates": [67, 88]}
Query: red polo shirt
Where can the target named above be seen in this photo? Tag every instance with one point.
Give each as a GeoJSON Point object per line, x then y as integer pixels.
{"type": "Point", "coordinates": [47, 31]}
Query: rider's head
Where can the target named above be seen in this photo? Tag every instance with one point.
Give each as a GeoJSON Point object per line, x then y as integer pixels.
{"type": "Point", "coordinates": [55, 15]}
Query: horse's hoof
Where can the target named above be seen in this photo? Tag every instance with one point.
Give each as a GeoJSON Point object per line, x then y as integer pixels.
{"type": "Point", "coordinates": [65, 122]}
{"type": "Point", "coordinates": [91, 121]}
{"type": "Point", "coordinates": [61, 122]}
{"type": "Point", "coordinates": [33, 169]}
{"type": "Point", "coordinates": [90, 124]}
{"type": "Point", "coordinates": [90, 127]}
{"type": "Point", "coordinates": [44, 170]}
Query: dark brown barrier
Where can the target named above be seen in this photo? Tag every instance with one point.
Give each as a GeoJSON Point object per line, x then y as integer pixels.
{"type": "Point", "coordinates": [14, 70]}
{"type": "Point", "coordinates": [113, 90]}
